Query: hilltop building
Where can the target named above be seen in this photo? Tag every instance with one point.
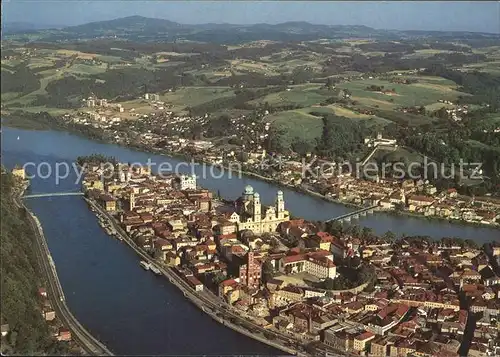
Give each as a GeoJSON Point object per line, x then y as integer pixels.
{"type": "Point", "coordinates": [379, 140]}
{"type": "Point", "coordinates": [152, 96]}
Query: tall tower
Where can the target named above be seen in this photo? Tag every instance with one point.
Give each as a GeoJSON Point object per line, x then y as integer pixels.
{"type": "Point", "coordinates": [248, 193]}
{"type": "Point", "coordinates": [117, 170]}
{"type": "Point", "coordinates": [132, 200]}
{"type": "Point", "coordinates": [251, 269]}
{"type": "Point", "coordinates": [280, 205]}
{"type": "Point", "coordinates": [257, 207]}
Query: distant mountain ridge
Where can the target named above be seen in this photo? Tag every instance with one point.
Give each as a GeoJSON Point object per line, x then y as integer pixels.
{"type": "Point", "coordinates": [151, 29]}
{"type": "Point", "coordinates": [19, 26]}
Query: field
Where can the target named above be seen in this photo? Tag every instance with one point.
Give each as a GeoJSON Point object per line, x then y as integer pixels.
{"type": "Point", "coordinates": [425, 92]}
{"type": "Point", "coordinates": [300, 123]}
{"type": "Point", "coordinates": [426, 53]}
{"type": "Point", "coordinates": [297, 124]}
{"type": "Point", "coordinates": [348, 113]}
{"type": "Point", "coordinates": [492, 67]}
{"type": "Point", "coordinates": [253, 66]}
{"type": "Point", "coordinates": [303, 124]}
{"type": "Point", "coordinates": [191, 96]}
{"type": "Point", "coordinates": [302, 62]}
{"type": "Point", "coordinates": [305, 95]}
{"type": "Point", "coordinates": [69, 53]}
{"type": "Point", "coordinates": [399, 155]}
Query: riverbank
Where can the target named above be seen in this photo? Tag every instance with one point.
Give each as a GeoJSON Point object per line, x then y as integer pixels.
{"type": "Point", "coordinates": [312, 207]}
{"type": "Point", "coordinates": [56, 294]}
{"type": "Point", "coordinates": [398, 213]}
{"type": "Point", "coordinates": [214, 308]}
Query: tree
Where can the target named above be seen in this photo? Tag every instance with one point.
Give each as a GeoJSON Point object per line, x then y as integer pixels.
{"type": "Point", "coordinates": [330, 83]}
{"type": "Point", "coordinates": [335, 228]}
{"type": "Point", "coordinates": [389, 236]}
{"type": "Point", "coordinates": [354, 230]}
{"type": "Point", "coordinates": [218, 277]}
{"type": "Point", "coordinates": [267, 271]}
{"type": "Point", "coordinates": [302, 147]}
{"type": "Point", "coordinates": [366, 232]}
{"type": "Point", "coordinates": [329, 284]}
{"type": "Point", "coordinates": [21, 278]}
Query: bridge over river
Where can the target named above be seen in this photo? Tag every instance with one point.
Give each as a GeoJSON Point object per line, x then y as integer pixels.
{"type": "Point", "coordinates": [53, 194]}
{"type": "Point", "coordinates": [355, 214]}
{"type": "Point", "coordinates": [344, 217]}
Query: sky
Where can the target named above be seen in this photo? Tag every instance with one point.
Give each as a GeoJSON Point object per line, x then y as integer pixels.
{"type": "Point", "coordinates": [476, 16]}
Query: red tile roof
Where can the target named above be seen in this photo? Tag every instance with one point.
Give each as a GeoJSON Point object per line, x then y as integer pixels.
{"type": "Point", "coordinates": [365, 336]}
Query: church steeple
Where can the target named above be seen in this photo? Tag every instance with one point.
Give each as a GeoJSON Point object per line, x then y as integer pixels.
{"type": "Point", "coordinates": [280, 205]}
{"type": "Point", "coordinates": [257, 207]}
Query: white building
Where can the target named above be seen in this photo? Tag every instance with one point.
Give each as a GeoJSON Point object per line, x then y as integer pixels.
{"type": "Point", "coordinates": [186, 182]}
{"type": "Point", "coordinates": [315, 263]}
{"type": "Point", "coordinates": [250, 214]}
{"type": "Point", "coordinates": [379, 140]}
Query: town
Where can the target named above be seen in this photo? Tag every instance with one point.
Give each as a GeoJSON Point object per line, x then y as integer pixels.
{"type": "Point", "coordinates": [260, 179]}
{"type": "Point", "coordinates": [344, 293]}
{"type": "Point", "coordinates": [417, 196]}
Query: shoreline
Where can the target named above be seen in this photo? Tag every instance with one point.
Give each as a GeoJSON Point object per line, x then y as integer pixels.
{"type": "Point", "coordinates": [191, 296]}
{"type": "Point", "coordinates": [305, 191]}
{"type": "Point", "coordinates": [80, 334]}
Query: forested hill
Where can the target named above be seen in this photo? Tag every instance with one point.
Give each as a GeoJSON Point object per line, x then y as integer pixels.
{"type": "Point", "coordinates": [154, 29]}
{"type": "Point", "coordinates": [29, 333]}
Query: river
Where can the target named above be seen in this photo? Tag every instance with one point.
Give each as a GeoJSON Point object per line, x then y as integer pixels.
{"type": "Point", "coordinates": [131, 310]}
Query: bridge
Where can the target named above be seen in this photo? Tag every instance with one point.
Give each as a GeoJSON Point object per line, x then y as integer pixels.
{"type": "Point", "coordinates": [355, 214]}
{"type": "Point", "coordinates": [54, 194]}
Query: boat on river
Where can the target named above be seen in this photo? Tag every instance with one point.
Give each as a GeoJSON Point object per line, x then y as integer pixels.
{"type": "Point", "coordinates": [154, 269]}
{"type": "Point", "coordinates": [145, 265]}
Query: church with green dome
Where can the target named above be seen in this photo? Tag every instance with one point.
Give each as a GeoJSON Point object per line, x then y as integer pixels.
{"type": "Point", "coordinates": [251, 215]}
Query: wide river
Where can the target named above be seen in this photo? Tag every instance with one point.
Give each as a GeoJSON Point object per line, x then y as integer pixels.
{"type": "Point", "coordinates": [131, 310]}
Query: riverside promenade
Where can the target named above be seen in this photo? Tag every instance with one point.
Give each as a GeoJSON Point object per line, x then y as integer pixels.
{"type": "Point", "coordinates": [88, 342]}
{"type": "Point", "coordinates": [209, 303]}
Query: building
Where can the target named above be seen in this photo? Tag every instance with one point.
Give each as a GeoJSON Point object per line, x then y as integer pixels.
{"type": "Point", "coordinates": [19, 172]}
{"type": "Point", "coordinates": [379, 346]}
{"type": "Point", "coordinates": [5, 329]}
{"type": "Point", "coordinates": [337, 339]}
{"type": "Point", "coordinates": [250, 273]}
{"type": "Point", "coordinates": [361, 340]}
{"type": "Point", "coordinates": [415, 201]}
{"type": "Point", "coordinates": [42, 292]}
{"type": "Point", "coordinates": [379, 140]}
{"type": "Point", "coordinates": [249, 213]}
{"type": "Point", "coordinates": [109, 203]}
{"type": "Point", "coordinates": [321, 240]}
{"type": "Point", "coordinates": [194, 283]}
{"type": "Point", "coordinates": [185, 182]}
{"type": "Point", "coordinates": [315, 263]}
{"type": "Point", "coordinates": [49, 315]}
{"type": "Point", "coordinates": [64, 334]}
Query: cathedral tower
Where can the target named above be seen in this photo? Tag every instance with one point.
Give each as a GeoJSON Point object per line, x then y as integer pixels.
{"type": "Point", "coordinates": [280, 205]}
{"type": "Point", "coordinates": [248, 193]}
{"type": "Point", "coordinates": [257, 207]}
